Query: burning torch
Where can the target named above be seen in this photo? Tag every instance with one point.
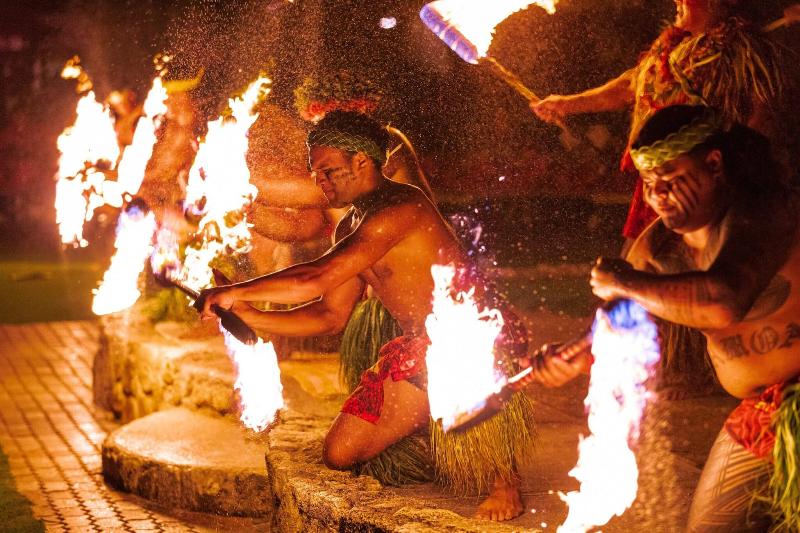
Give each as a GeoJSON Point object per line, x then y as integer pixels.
{"type": "Point", "coordinates": [617, 312]}
{"type": "Point", "coordinates": [467, 30]}
{"type": "Point", "coordinates": [166, 267]}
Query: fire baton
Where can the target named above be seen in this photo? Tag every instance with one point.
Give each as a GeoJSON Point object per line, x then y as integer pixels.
{"type": "Point", "coordinates": [230, 320]}
{"type": "Point", "coordinates": [449, 32]}
{"type": "Point", "coordinates": [487, 408]}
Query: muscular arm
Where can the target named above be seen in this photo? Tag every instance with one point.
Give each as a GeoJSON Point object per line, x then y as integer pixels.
{"type": "Point", "coordinates": [326, 316]}
{"type": "Point", "coordinates": [752, 253]}
{"type": "Point", "coordinates": [614, 95]}
{"type": "Point", "coordinates": [377, 235]}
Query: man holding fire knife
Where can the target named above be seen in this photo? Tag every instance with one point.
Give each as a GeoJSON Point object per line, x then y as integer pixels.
{"type": "Point", "coordinates": [724, 257]}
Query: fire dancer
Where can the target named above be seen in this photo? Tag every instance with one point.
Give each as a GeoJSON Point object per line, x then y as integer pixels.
{"type": "Point", "coordinates": [390, 238]}
{"type": "Point", "coordinates": [370, 325]}
{"type": "Point", "coordinates": [710, 55]}
{"type": "Point", "coordinates": [724, 258]}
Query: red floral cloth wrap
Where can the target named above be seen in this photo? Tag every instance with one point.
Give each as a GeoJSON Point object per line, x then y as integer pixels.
{"type": "Point", "coordinates": [403, 358]}
{"type": "Point", "coordinates": [750, 424]}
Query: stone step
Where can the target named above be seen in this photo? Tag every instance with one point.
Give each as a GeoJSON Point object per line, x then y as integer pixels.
{"type": "Point", "coordinates": [184, 459]}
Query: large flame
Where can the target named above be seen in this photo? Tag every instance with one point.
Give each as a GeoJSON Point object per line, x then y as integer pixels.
{"type": "Point", "coordinates": [460, 358]}
{"type": "Point", "coordinates": [119, 289]}
{"type": "Point", "coordinates": [130, 172]}
{"type": "Point", "coordinates": [86, 146]}
{"type": "Point", "coordinates": [468, 27]}
{"type": "Point", "coordinates": [89, 149]}
{"type": "Point", "coordinates": [219, 190]}
{"type": "Point", "coordinates": [219, 187]}
{"type": "Point", "coordinates": [625, 347]}
{"type": "Point", "coordinates": [258, 380]}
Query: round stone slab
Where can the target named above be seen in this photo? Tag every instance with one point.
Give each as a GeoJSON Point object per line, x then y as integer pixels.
{"type": "Point", "coordinates": [181, 458]}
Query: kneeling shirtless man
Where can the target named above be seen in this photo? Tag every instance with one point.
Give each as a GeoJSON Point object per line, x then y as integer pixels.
{"type": "Point", "coordinates": [390, 238]}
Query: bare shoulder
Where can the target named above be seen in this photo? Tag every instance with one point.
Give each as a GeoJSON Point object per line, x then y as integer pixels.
{"type": "Point", "coordinates": [400, 198]}
{"type": "Point", "coordinates": [651, 247]}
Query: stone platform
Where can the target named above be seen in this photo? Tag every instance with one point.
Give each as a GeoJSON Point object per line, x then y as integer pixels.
{"type": "Point", "coordinates": [198, 457]}
{"type": "Point", "coordinates": [195, 462]}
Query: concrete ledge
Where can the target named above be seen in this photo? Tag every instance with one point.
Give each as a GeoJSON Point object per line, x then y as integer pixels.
{"type": "Point", "coordinates": [190, 461]}
{"type": "Point", "coordinates": [309, 497]}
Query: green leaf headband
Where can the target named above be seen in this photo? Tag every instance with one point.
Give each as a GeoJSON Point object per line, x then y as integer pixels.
{"type": "Point", "coordinates": [348, 142]}
{"type": "Point", "coordinates": [676, 144]}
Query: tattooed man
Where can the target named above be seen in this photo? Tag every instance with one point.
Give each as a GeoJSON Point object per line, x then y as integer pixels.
{"type": "Point", "coordinates": [724, 258]}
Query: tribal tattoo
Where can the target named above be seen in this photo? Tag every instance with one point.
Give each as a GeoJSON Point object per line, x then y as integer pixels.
{"type": "Point", "coordinates": [761, 342]}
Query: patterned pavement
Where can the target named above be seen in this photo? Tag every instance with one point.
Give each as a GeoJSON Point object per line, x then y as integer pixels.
{"type": "Point", "coordinates": [52, 434]}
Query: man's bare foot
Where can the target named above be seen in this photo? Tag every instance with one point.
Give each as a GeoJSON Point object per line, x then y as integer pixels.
{"type": "Point", "coordinates": [503, 503]}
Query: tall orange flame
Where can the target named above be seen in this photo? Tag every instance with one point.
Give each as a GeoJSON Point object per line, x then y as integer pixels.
{"type": "Point", "coordinates": [87, 146]}
{"type": "Point", "coordinates": [119, 289]}
{"type": "Point", "coordinates": [460, 358]}
{"type": "Point", "coordinates": [219, 187]}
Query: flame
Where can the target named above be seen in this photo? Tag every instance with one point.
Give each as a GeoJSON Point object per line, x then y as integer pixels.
{"type": "Point", "coordinates": [460, 358]}
{"type": "Point", "coordinates": [258, 380]}
{"type": "Point", "coordinates": [130, 172]}
{"type": "Point", "coordinates": [219, 187]}
{"type": "Point", "coordinates": [219, 190]}
{"type": "Point", "coordinates": [119, 290]}
{"type": "Point", "coordinates": [626, 350]}
{"type": "Point", "coordinates": [165, 258]}
{"type": "Point", "coordinates": [457, 21]}
{"type": "Point", "coordinates": [89, 144]}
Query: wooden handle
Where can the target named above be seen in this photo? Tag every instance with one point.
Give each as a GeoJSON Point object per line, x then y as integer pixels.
{"type": "Point", "coordinates": [568, 137]}
{"type": "Point", "coordinates": [235, 325]}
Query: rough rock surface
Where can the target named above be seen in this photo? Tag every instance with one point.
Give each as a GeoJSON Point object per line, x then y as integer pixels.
{"type": "Point", "coordinates": [191, 461]}
{"type": "Point", "coordinates": [303, 495]}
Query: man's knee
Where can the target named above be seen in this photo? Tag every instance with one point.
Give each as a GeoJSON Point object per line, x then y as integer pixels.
{"type": "Point", "coordinates": [336, 455]}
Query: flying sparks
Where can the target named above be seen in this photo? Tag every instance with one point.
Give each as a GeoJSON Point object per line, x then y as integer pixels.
{"type": "Point", "coordinates": [460, 358]}
{"type": "Point", "coordinates": [625, 347]}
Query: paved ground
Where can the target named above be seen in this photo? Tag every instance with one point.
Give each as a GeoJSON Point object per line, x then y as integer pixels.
{"type": "Point", "coordinates": [52, 435]}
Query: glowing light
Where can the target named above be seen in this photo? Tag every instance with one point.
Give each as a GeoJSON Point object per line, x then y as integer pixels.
{"type": "Point", "coordinates": [387, 23]}
{"type": "Point", "coordinates": [86, 146]}
{"type": "Point", "coordinates": [119, 289]}
{"type": "Point", "coordinates": [468, 27]}
{"type": "Point", "coordinates": [626, 351]}
{"type": "Point", "coordinates": [461, 351]}
{"type": "Point", "coordinates": [257, 380]}
{"type": "Point", "coordinates": [130, 172]}
{"type": "Point", "coordinates": [165, 260]}
{"type": "Point", "coordinates": [219, 188]}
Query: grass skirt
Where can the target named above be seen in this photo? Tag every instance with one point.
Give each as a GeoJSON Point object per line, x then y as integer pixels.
{"type": "Point", "coordinates": [784, 486]}
{"type": "Point", "coordinates": [466, 463]}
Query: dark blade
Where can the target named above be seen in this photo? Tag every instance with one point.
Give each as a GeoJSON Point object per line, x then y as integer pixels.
{"type": "Point", "coordinates": [232, 323]}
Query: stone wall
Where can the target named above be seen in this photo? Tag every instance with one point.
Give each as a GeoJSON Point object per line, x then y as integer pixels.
{"type": "Point", "coordinates": [141, 368]}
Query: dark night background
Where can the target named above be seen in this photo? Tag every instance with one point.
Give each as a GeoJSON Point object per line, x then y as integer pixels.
{"type": "Point", "coordinates": [470, 128]}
